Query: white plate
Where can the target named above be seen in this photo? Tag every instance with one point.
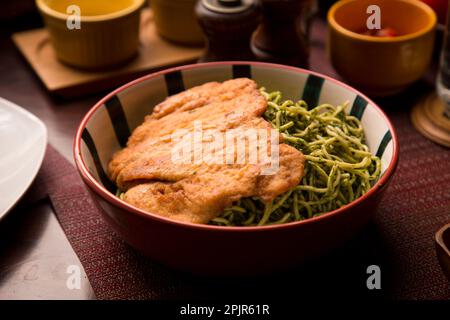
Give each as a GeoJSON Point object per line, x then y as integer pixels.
{"type": "Point", "coordinates": [23, 140]}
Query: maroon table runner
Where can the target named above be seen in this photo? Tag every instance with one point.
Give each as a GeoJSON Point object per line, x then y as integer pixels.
{"type": "Point", "coordinates": [399, 240]}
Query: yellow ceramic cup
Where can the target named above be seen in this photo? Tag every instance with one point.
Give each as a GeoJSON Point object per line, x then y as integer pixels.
{"type": "Point", "coordinates": [175, 20]}
{"type": "Point", "coordinates": [107, 34]}
{"type": "Point", "coordinates": [381, 66]}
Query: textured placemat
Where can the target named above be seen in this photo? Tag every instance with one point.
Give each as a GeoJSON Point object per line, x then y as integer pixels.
{"type": "Point", "coordinates": [399, 240]}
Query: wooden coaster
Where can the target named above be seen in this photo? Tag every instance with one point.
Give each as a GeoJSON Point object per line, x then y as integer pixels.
{"type": "Point", "coordinates": [428, 117]}
{"type": "Point", "coordinates": [154, 54]}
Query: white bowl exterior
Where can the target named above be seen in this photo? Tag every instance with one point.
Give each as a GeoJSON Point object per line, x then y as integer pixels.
{"type": "Point", "coordinates": [23, 141]}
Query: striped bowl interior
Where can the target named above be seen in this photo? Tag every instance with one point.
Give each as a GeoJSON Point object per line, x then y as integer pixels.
{"type": "Point", "coordinates": [110, 125]}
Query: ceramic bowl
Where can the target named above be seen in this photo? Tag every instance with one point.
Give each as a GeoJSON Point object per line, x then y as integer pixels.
{"type": "Point", "coordinates": [215, 250]}
{"type": "Point", "coordinates": [442, 241]}
{"type": "Point", "coordinates": [23, 141]}
{"type": "Point", "coordinates": [102, 41]}
{"type": "Point", "coordinates": [381, 66]}
{"type": "Point", "coordinates": [175, 20]}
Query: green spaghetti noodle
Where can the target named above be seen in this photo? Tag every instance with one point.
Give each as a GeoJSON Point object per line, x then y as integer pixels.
{"type": "Point", "coordinates": [338, 170]}
{"type": "Point", "coordinates": [339, 167]}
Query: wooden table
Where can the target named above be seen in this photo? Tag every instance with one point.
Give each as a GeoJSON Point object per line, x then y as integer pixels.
{"type": "Point", "coordinates": [34, 252]}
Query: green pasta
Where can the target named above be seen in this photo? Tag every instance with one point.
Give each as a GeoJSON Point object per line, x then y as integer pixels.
{"type": "Point", "coordinates": [339, 166]}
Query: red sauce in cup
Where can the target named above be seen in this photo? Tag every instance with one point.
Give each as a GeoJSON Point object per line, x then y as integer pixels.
{"type": "Point", "coordinates": [383, 32]}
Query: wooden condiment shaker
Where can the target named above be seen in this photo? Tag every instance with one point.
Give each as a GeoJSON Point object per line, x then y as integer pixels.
{"type": "Point", "coordinates": [228, 26]}
{"type": "Point", "coordinates": [282, 37]}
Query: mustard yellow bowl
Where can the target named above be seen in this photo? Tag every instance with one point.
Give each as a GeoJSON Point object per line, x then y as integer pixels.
{"type": "Point", "coordinates": [381, 66]}
{"type": "Point", "coordinates": [175, 21]}
{"type": "Point", "coordinates": [93, 34]}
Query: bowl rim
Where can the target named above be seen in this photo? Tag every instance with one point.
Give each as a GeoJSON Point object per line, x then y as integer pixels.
{"type": "Point", "coordinates": [354, 35]}
{"type": "Point", "coordinates": [439, 238]}
{"type": "Point", "coordinates": [114, 200]}
{"type": "Point", "coordinates": [46, 9]}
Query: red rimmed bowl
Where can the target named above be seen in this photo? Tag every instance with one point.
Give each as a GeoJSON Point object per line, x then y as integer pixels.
{"type": "Point", "coordinates": [213, 250]}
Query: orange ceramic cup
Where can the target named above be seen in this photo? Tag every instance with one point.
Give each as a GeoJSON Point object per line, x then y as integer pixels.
{"type": "Point", "coordinates": [381, 66]}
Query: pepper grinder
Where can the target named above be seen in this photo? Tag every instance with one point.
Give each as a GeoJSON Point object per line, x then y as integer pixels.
{"type": "Point", "coordinates": [282, 37]}
{"type": "Point", "coordinates": [228, 26]}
